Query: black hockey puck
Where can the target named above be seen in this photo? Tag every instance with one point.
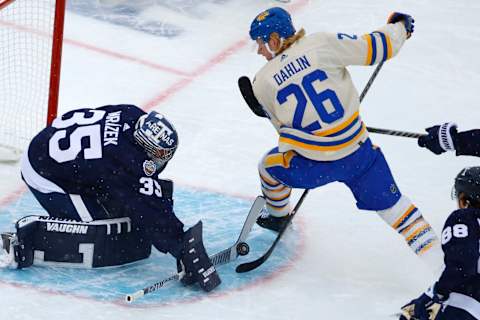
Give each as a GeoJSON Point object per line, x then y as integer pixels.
{"type": "Point", "coordinates": [243, 249]}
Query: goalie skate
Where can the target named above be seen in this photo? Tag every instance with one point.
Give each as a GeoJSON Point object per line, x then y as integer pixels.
{"type": "Point", "coordinates": [7, 255]}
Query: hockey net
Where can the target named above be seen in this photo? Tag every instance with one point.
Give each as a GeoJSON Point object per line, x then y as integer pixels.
{"type": "Point", "coordinates": [31, 33]}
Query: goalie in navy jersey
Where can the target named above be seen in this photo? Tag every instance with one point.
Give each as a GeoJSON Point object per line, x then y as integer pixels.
{"type": "Point", "coordinates": [96, 173]}
{"type": "Point", "coordinates": [456, 294]}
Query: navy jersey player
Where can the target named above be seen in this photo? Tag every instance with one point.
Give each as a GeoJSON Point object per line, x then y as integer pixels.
{"type": "Point", "coordinates": [445, 137]}
{"type": "Point", "coordinates": [456, 294]}
{"type": "Point", "coordinates": [306, 92]}
{"type": "Point", "coordinates": [96, 173]}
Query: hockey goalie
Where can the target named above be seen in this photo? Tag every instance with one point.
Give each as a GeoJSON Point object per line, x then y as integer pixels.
{"type": "Point", "coordinates": [96, 174]}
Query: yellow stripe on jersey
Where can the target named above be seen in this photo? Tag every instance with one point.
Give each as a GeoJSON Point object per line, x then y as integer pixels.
{"type": "Point", "coordinates": [368, 60]}
{"type": "Point", "coordinates": [279, 159]}
{"type": "Point", "coordinates": [323, 148]}
{"type": "Point", "coordinates": [389, 47]}
{"type": "Point", "coordinates": [339, 127]}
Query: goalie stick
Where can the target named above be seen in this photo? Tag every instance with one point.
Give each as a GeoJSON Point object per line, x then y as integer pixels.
{"type": "Point", "coordinates": [240, 247]}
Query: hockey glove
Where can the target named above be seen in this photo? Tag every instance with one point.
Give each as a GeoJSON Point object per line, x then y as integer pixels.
{"type": "Point", "coordinates": [439, 138]}
{"type": "Point", "coordinates": [407, 20]}
{"type": "Point", "coordinates": [424, 307]}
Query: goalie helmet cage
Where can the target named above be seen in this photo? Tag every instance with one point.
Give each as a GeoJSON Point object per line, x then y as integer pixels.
{"type": "Point", "coordinates": [31, 37]}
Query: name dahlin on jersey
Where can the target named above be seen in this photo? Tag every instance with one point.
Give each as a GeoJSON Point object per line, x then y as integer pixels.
{"type": "Point", "coordinates": [291, 69]}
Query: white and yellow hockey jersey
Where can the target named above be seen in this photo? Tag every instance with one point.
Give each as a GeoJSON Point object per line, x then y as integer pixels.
{"type": "Point", "coordinates": [309, 95]}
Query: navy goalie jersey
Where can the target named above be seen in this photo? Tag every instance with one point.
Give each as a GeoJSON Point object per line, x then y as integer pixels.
{"type": "Point", "coordinates": [93, 153]}
{"type": "Point", "coordinates": [461, 246]}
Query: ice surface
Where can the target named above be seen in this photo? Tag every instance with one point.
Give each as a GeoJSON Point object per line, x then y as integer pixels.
{"type": "Point", "coordinates": [353, 266]}
{"type": "Point", "coordinates": [223, 217]}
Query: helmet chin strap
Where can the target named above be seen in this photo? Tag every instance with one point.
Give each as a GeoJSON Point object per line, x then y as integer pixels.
{"type": "Point", "coordinates": [270, 51]}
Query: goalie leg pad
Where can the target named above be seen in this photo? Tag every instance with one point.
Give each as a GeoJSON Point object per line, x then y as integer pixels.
{"type": "Point", "coordinates": [195, 261]}
{"type": "Point", "coordinates": [51, 241]}
{"type": "Point", "coordinates": [22, 243]}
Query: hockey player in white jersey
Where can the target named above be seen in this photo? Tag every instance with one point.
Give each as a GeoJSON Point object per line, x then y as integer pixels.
{"type": "Point", "coordinates": [308, 95]}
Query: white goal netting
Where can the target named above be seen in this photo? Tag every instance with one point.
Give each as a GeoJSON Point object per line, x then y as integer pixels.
{"type": "Point", "coordinates": [26, 42]}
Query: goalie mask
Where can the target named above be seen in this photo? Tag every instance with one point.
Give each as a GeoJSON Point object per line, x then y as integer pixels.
{"type": "Point", "coordinates": [157, 136]}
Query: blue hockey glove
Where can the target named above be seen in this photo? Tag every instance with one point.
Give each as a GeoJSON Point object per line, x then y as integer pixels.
{"type": "Point", "coordinates": [407, 19]}
{"type": "Point", "coordinates": [439, 138]}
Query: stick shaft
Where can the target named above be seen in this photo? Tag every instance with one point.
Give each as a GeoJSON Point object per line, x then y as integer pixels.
{"type": "Point", "coordinates": [379, 130]}
{"type": "Point", "coordinates": [370, 81]}
{"type": "Point", "coordinates": [397, 133]}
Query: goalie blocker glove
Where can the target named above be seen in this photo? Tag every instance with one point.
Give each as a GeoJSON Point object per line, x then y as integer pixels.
{"type": "Point", "coordinates": [195, 263]}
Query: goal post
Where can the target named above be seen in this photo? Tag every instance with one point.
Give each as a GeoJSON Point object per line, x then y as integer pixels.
{"type": "Point", "coordinates": [31, 37]}
{"type": "Point", "coordinates": [56, 61]}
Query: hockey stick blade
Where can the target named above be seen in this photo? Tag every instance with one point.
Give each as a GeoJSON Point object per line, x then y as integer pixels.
{"type": "Point", "coordinates": [246, 90]}
{"type": "Point", "coordinates": [249, 266]}
{"type": "Point", "coordinates": [232, 253]}
{"type": "Point", "coordinates": [217, 259]}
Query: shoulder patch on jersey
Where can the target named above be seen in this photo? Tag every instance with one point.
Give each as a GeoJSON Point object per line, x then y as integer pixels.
{"type": "Point", "coordinates": [149, 167]}
{"type": "Point", "coordinates": [126, 127]}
